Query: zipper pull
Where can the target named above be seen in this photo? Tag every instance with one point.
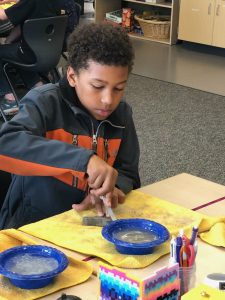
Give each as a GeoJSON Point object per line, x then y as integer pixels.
{"type": "Point", "coordinates": [75, 140]}
{"type": "Point", "coordinates": [106, 147]}
{"type": "Point", "coordinates": [94, 143]}
{"type": "Point", "coordinates": [75, 182]}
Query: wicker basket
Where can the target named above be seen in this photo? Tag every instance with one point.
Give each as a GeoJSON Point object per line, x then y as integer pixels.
{"type": "Point", "coordinates": [155, 28]}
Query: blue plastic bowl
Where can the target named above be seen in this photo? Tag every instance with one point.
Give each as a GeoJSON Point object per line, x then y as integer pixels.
{"type": "Point", "coordinates": [158, 232]}
{"type": "Point", "coordinates": [10, 257]}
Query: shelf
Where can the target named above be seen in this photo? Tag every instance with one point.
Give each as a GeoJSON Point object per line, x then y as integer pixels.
{"type": "Point", "coordinates": [169, 7]}
{"type": "Point", "coordinates": [142, 37]}
{"type": "Point", "coordinates": [163, 4]}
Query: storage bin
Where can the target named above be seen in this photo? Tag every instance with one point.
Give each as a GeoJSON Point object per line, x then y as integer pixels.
{"type": "Point", "coordinates": [156, 27]}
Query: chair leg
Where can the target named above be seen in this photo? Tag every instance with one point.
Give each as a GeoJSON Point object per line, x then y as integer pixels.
{"type": "Point", "coordinates": [64, 56]}
{"type": "Point", "coordinates": [44, 77]}
{"type": "Point", "coordinates": [3, 114]}
{"type": "Point", "coordinates": [10, 84]}
{"type": "Point", "coordinates": [57, 74]}
{"type": "Point", "coordinates": [53, 75]}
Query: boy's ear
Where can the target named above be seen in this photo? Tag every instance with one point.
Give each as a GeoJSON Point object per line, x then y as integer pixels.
{"type": "Point", "coordinates": [71, 76]}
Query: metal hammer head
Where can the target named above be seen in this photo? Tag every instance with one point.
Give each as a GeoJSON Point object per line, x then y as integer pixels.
{"type": "Point", "coordinates": [96, 221]}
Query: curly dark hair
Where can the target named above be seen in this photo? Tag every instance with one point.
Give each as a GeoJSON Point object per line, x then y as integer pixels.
{"type": "Point", "coordinates": [102, 43]}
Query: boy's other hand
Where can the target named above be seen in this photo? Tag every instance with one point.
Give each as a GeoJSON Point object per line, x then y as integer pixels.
{"type": "Point", "coordinates": [112, 200]}
{"type": "Point", "coordinates": [89, 202]}
{"type": "Point", "coordinates": [101, 176]}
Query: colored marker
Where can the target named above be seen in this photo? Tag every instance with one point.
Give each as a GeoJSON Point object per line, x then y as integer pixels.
{"type": "Point", "coordinates": [178, 247]}
{"type": "Point", "coordinates": [194, 235]}
{"type": "Point", "coordinates": [173, 257]}
{"type": "Point", "coordinates": [181, 232]}
{"type": "Point", "coordinates": [184, 254]}
{"type": "Point", "coordinates": [191, 255]}
{"type": "Point", "coordinates": [195, 247]}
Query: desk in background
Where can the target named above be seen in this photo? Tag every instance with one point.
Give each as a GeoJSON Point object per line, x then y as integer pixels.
{"type": "Point", "coordinates": [7, 5]}
{"type": "Point", "coordinates": [5, 25]}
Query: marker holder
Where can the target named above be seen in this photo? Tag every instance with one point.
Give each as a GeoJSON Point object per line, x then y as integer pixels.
{"type": "Point", "coordinates": [187, 278]}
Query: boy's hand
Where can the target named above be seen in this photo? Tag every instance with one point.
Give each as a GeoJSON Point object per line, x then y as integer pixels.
{"type": "Point", "coordinates": [101, 176]}
{"type": "Point", "coordinates": [112, 200]}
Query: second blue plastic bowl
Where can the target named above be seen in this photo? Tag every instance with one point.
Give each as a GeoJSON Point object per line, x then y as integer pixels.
{"type": "Point", "coordinates": [37, 280]}
{"type": "Point", "coordinates": [111, 230]}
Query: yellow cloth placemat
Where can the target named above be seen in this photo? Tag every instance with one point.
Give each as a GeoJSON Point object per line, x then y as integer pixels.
{"type": "Point", "coordinates": [75, 273]}
{"type": "Point", "coordinates": [198, 293]}
{"type": "Point", "coordinates": [216, 235]}
{"type": "Point", "coordinates": [66, 230]}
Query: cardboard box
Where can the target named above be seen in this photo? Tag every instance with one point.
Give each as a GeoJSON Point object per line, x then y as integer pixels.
{"type": "Point", "coordinates": [114, 16]}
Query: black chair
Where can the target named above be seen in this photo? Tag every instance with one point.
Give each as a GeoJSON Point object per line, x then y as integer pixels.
{"type": "Point", "coordinates": [81, 3]}
{"type": "Point", "coordinates": [5, 180]}
{"type": "Point", "coordinates": [45, 38]}
{"type": "Point", "coordinates": [73, 11]}
{"type": "Point", "coordinates": [3, 114]}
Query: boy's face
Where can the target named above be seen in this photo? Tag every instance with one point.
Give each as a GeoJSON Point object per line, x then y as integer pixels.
{"type": "Point", "coordinates": [99, 88]}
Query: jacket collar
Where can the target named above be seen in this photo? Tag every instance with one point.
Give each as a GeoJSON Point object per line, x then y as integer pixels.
{"type": "Point", "coordinates": [70, 97]}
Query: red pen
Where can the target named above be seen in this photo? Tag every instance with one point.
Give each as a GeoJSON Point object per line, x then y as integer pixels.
{"type": "Point", "coordinates": [191, 255]}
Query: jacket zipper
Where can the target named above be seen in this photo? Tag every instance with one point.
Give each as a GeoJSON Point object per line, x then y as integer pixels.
{"type": "Point", "coordinates": [75, 140]}
{"type": "Point", "coordinates": [75, 182]}
{"type": "Point", "coordinates": [75, 143]}
{"type": "Point", "coordinates": [106, 147]}
{"type": "Point", "coordinates": [95, 135]}
{"type": "Point", "coordinates": [94, 138]}
{"type": "Point", "coordinates": [94, 143]}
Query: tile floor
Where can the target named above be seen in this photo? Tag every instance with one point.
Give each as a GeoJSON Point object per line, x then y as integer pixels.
{"type": "Point", "coordinates": [193, 65]}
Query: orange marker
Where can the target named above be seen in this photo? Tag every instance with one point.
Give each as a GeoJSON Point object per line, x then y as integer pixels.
{"type": "Point", "coordinates": [184, 254]}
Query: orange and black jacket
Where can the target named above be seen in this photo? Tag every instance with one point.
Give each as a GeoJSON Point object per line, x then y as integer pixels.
{"type": "Point", "coordinates": [47, 146]}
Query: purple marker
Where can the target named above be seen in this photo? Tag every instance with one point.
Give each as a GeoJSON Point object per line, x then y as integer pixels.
{"type": "Point", "coordinates": [178, 247]}
{"type": "Point", "coordinates": [194, 235]}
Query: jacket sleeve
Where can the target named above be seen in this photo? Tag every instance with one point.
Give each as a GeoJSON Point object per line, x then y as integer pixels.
{"type": "Point", "coordinates": [24, 149]}
{"type": "Point", "coordinates": [127, 161]}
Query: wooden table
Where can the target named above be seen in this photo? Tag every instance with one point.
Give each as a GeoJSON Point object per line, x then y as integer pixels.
{"type": "Point", "coordinates": [186, 190]}
{"type": "Point", "coordinates": [191, 192]}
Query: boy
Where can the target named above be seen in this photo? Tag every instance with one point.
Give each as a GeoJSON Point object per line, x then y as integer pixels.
{"type": "Point", "coordinates": [74, 141]}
